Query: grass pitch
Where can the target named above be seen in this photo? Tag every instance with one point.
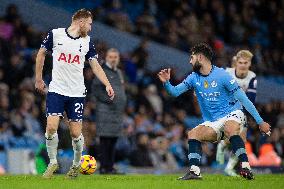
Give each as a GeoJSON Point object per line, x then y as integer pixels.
{"type": "Point", "coordinates": [140, 181]}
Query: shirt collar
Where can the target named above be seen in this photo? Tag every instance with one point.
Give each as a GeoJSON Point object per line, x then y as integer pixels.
{"type": "Point", "coordinates": [212, 68]}
{"type": "Point", "coordinates": [70, 35]}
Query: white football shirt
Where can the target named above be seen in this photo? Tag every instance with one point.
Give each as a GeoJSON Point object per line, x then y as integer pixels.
{"type": "Point", "coordinates": [243, 82]}
{"type": "Point", "coordinates": [248, 84]}
{"type": "Point", "coordinates": [69, 55]}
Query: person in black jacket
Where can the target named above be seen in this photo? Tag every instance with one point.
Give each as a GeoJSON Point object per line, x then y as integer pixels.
{"type": "Point", "coordinates": [109, 113]}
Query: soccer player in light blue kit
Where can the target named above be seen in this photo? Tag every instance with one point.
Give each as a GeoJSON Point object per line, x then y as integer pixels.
{"type": "Point", "coordinates": [220, 99]}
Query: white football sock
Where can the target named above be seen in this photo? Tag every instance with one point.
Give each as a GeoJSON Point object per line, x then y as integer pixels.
{"type": "Point", "coordinates": [246, 165]}
{"type": "Point", "coordinates": [51, 146]}
{"type": "Point", "coordinates": [222, 144]}
{"type": "Point", "coordinates": [195, 169]}
{"type": "Point", "coordinates": [78, 144]}
{"type": "Point", "coordinates": [233, 160]}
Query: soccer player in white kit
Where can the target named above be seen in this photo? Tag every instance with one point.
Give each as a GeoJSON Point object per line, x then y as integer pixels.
{"type": "Point", "coordinates": [66, 92]}
{"type": "Point", "coordinates": [247, 81]}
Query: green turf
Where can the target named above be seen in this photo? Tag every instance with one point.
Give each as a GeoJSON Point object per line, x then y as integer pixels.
{"type": "Point", "coordinates": [140, 181]}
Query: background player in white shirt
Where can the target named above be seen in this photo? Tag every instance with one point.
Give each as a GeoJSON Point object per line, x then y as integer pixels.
{"type": "Point", "coordinates": [70, 48]}
{"type": "Point", "coordinates": [247, 81]}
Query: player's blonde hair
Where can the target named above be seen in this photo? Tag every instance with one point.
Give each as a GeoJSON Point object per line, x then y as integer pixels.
{"type": "Point", "coordinates": [244, 54]}
{"type": "Point", "coordinates": [233, 62]}
{"type": "Point", "coordinates": [82, 13]}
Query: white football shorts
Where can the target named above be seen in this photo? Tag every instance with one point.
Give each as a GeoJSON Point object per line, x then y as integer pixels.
{"type": "Point", "coordinates": [218, 125]}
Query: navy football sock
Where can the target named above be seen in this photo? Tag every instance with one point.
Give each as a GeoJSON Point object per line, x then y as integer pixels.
{"type": "Point", "coordinates": [238, 148]}
{"type": "Point", "coordinates": [195, 152]}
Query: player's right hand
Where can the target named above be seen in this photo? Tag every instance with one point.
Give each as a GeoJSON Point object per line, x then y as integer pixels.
{"type": "Point", "coordinates": [265, 128]}
{"type": "Point", "coordinates": [40, 86]}
{"type": "Point", "coordinates": [164, 75]}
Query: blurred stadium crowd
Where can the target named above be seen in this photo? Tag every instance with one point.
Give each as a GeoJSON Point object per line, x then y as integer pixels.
{"type": "Point", "coordinates": [226, 25]}
{"type": "Point", "coordinates": [154, 123]}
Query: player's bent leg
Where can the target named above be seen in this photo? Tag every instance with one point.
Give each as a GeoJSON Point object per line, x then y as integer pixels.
{"type": "Point", "coordinates": [78, 144]}
{"type": "Point", "coordinates": [195, 137]}
{"type": "Point", "coordinates": [232, 130]}
{"type": "Point", "coordinates": [233, 160]}
{"type": "Point", "coordinates": [51, 145]}
{"type": "Point", "coordinates": [202, 133]}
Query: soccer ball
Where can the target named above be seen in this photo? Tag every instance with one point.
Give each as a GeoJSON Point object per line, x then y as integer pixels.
{"type": "Point", "coordinates": [88, 165]}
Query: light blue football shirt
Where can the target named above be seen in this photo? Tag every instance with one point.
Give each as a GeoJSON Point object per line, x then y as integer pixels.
{"type": "Point", "coordinates": [215, 93]}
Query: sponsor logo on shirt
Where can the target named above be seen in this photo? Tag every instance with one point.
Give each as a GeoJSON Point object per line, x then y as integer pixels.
{"type": "Point", "coordinates": [210, 96]}
{"type": "Point", "coordinates": [68, 58]}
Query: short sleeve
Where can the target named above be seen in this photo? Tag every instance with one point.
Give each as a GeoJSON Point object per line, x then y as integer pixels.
{"type": "Point", "coordinates": [252, 85]}
{"type": "Point", "coordinates": [47, 43]}
{"type": "Point", "coordinates": [91, 54]}
{"type": "Point", "coordinates": [251, 91]}
{"type": "Point", "coordinates": [229, 82]}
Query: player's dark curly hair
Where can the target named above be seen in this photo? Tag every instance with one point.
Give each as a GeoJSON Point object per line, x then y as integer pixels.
{"type": "Point", "coordinates": [204, 49]}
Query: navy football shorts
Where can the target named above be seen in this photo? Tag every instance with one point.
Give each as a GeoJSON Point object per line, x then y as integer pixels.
{"type": "Point", "coordinates": [56, 104]}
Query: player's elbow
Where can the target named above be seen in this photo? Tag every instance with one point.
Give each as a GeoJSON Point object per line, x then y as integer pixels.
{"type": "Point", "coordinates": [40, 54]}
{"type": "Point", "coordinates": [173, 93]}
{"type": "Point", "coordinates": [240, 95]}
{"type": "Point", "coordinates": [96, 68]}
{"type": "Point", "coordinates": [96, 71]}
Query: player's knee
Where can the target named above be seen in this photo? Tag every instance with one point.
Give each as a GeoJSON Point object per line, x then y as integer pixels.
{"type": "Point", "coordinates": [244, 135]}
{"type": "Point", "coordinates": [75, 134]}
{"type": "Point", "coordinates": [191, 134]}
{"type": "Point", "coordinates": [226, 141]}
{"type": "Point", "coordinates": [51, 128]}
{"type": "Point", "coordinates": [230, 131]}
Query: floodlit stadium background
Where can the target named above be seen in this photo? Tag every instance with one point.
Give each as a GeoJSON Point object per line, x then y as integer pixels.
{"type": "Point", "coordinates": [150, 35]}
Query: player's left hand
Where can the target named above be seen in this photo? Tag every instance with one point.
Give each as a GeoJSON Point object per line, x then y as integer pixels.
{"type": "Point", "coordinates": [110, 92]}
{"type": "Point", "coordinates": [265, 128]}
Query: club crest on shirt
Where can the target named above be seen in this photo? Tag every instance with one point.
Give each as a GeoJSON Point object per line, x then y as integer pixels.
{"type": "Point", "coordinates": [232, 81]}
{"type": "Point", "coordinates": [206, 85]}
{"type": "Point", "coordinates": [214, 84]}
